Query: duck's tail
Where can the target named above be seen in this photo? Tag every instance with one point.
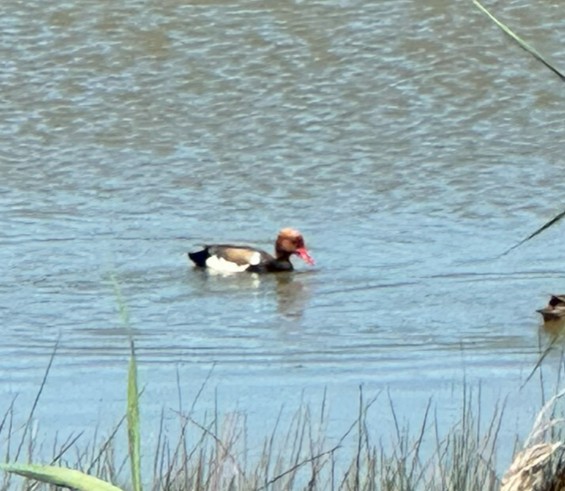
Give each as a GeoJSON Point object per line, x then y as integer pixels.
{"type": "Point", "coordinates": [199, 257]}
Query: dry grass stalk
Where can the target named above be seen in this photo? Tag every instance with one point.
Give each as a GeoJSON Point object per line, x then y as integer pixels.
{"type": "Point", "coordinates": [540, 467]}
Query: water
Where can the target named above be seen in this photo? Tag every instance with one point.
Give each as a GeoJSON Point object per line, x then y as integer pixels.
{"type": "Point", "coordinates": [410, 142]}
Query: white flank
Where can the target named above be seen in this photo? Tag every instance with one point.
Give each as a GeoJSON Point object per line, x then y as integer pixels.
{"type": "Point", "coordinates": [222, 266]}
{"type": "Point", "coordinates": [255, 259]}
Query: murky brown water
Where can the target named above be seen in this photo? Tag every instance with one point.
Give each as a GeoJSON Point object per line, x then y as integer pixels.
{"type": "Point", "coordinates": [410, 141]}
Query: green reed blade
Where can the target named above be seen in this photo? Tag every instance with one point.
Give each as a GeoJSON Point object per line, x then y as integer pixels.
{"type": "Point", "coordinates": [60, 476]}
{"type": "Point", "coordinates": [546, 225]}
{"type": "Point", "coordinates": [133, 423]}
{"type": "Point", "coordinates": [523, 44]}
{"type": "Point", "coordinates": [122, 306]}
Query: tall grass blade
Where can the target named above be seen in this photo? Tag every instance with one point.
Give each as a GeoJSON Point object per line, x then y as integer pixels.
{"type": "Point", "coordinates": [132, 414]}
{"type": "Point", "coordinates": [523, 44]}
{"type": "Point", "coordinates": [551, 222]}
{"type": "Point", "coordinates": [60, 476]}
{"type": "Point", "coordinates": [540, 360]}
{"type": "Point", "coordinates": [122, 306]}
{"type": "Point", "coordinates": [133, 423]}
{"type": "Point", "coordinates": [36, 401]}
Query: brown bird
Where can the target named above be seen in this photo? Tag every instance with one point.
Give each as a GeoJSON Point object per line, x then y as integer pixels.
{"type": "Point", "coordinates": [555, 309]}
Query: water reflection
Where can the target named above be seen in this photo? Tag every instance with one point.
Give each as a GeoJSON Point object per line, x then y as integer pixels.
{"type": "Point", "coordinates": [291, 294]}
{"type": "Point", "coordinates": [554, 328]}
{"type": "Point", "coordinates": [230, 281]}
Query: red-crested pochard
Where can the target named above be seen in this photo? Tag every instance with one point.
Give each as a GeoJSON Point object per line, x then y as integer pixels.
{"type": "Point", "coordinates": [235, 258]}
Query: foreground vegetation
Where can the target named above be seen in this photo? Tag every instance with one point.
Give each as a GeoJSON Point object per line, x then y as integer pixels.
{"type": "Point", "coordinates": [212, 455]}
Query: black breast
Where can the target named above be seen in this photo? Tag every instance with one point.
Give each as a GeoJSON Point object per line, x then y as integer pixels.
{"type": "Point", "coordinates": [272, 265]}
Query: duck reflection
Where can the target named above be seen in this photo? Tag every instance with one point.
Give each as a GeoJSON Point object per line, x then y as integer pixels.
{"type": "Point", "coordinates": [291, 294]}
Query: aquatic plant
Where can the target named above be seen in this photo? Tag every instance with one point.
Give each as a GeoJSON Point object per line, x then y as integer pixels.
{"type": "Point", "coordinates": [299, 458]}
{"type": "Point", "coordinates": [82, 481]}
{"type": "Point", "coordinates": [461, 458]}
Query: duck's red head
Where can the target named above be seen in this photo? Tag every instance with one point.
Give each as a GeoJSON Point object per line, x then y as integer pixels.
{"type": "Point", "coordinates": [290, 241]}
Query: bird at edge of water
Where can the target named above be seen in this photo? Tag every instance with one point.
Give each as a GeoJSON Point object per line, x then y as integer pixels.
{"type": "Point", "coordinates": [555, 309]}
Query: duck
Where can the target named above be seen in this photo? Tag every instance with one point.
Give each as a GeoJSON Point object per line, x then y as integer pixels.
{"type": "Point", "coordinates": [228, 258]}
{"type": "Point", "coordinates": [555, 309]}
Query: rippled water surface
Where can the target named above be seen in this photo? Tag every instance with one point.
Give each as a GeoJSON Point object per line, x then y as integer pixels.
{"type": "Point", "coordinates": [411, 142]}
